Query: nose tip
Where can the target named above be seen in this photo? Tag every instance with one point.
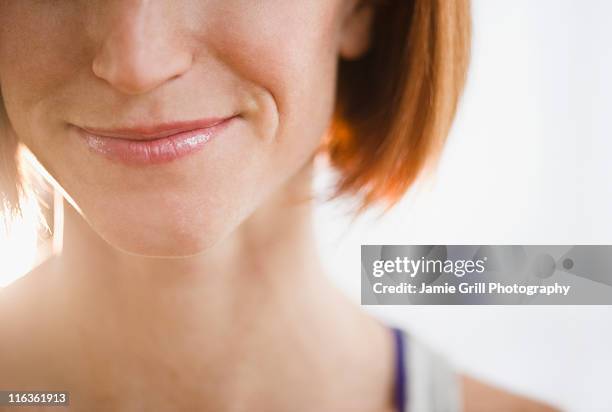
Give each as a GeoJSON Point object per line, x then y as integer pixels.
{"type": "Point", "coordinates": [135, 63]}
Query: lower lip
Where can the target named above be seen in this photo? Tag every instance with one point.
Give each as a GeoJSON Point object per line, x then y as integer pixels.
{"type": "Point", "coordinates": [153, 151]}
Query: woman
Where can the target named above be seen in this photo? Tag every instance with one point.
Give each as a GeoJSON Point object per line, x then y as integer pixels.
{"type": "Point", "coordinates": [182, 135]}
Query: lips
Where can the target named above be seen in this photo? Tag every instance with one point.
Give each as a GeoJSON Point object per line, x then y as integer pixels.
{"type": "Point", "coordinates": [153, 144]}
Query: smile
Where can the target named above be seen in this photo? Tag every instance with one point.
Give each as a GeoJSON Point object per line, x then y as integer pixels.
{"type": "Point", "coordinates": [152, 144]}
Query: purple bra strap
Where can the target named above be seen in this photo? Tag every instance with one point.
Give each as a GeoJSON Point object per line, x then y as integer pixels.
{"type": "Point", "coordinates": [400, 370]}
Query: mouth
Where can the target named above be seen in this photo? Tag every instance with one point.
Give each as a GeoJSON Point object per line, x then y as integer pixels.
{"type": "Point", "coordinates": [152, 144]}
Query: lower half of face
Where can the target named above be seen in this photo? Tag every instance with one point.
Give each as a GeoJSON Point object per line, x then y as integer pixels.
{"type": "Point", "coordinates": [269, 82]}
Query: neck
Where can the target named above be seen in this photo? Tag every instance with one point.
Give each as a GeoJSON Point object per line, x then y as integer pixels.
{"type": "Point", "coordinates": [235, 324]}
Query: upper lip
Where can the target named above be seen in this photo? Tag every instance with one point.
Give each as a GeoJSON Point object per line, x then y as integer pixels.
{"type": "Point", "coordinates": [155, 131]}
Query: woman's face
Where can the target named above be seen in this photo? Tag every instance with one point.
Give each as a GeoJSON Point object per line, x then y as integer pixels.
{"type": "Point", "coordinates": [129, 70]}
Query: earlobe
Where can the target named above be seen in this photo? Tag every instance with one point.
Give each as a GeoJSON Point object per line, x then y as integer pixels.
{"type": "Point", "coordinates": [356, 31]}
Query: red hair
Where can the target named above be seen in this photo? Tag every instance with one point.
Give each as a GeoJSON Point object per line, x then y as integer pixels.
{"type": "Point", "coordinates": [395, 106]}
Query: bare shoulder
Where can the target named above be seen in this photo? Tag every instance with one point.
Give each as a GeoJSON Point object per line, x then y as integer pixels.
{"type": "Point", "coordinates": [24, 300]}
{"type": "Point", "coordinates": [39, 348]}
{"type": "Point", "coordinates": [24, 316]}
{"type": "Point", "coordinates": [479, 396]}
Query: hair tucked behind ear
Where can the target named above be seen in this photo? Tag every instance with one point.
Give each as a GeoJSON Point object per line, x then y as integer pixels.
{"type": "Point", "coordinates": [395, 105]}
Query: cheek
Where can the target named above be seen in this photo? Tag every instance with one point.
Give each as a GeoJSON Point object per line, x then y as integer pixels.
{"type": "Point", "coordinates": [38, 58]}
{"type": "Point", "coordinates": [290, 50]}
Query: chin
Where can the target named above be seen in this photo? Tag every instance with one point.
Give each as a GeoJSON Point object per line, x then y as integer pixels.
{"type": "Point", "coordinates": [153, 240]}
{"type": "Point", "coordinates": [162, 232]}
{"type": "Point", "coordinates": [167, 245]}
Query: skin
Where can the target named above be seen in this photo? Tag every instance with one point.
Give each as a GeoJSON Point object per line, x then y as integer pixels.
{"type": "Point", "coordinates": [192, 285]}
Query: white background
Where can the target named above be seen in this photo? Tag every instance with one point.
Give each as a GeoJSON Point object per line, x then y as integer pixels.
{"type": "Point", "coordinates": [527, 163]}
